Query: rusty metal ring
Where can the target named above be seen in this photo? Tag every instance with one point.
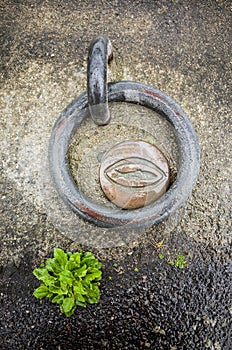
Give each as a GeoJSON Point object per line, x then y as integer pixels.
{"type": "Point", "coordinates": [189, 156]}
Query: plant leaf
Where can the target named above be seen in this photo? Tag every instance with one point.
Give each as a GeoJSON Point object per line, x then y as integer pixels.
{"type": "Point", "coordinates": [79, 303]}
{"type": "Point", "coordinates": [93, 294]}
{"type": "Point", "coordinates": [61, 257]}
{"type": "Point", "coordinates": [93, 269]}
{"type": "Point", "coordinates": [71, 265]}
{"type": "Point", "coordinates": [41, 292]}
{"type": "Point", "coordinates": [71, 312]}
{"type": "Point", "coordinates": [67, 305]}
{"type": "Point", "coordinates": [90, 260]}
{"type": "Point", "coordinates": [43, 275]}
{"type": "Point", "coordinates": [58, 299]}
{"type": "Point", "coordinates": [78, 288]}
{"type": "Point", "coordinates": [88, 255]}
{"type": "Point", "coordinates": [40, 273]}
{"type": "Point", "coordinates": [64, 287]}
{"type": "Point", "coordinates": [79, 297]}
{"type": "Point", "coordinates": [81, 272]}
{"type": "Point", "coordinates": [76, 257]}
{"type": "Point", "coordinates": [55, 290]}
{"type": "Point", "coordinates": [93, 276]}
{"type": "Point", "coordinates": [53, 266]}
{"type": "Point", "coordinates": [66, 277]}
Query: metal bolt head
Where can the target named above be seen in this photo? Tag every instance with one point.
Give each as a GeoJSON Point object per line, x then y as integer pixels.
{"type": "Point", "coordinates": [133, 174]}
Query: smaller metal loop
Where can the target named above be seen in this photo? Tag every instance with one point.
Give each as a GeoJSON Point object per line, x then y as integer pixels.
{"type": "Point", "coordinates": [100, 53]}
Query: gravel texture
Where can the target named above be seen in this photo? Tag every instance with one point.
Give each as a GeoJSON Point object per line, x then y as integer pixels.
{"type": "Point", "coordinates": [180, 47]}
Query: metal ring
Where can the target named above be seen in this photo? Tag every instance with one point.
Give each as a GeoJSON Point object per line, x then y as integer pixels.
{"type": "Point", "coordinates": [100, 52]}
{"type": "Point", "coordinates": [189, 156]}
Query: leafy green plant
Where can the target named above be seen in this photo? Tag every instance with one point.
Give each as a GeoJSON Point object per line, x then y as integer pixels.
{"type": "Point", "coordinates": [179, 262]}
{"type": "Point", "coordinates": [70, 280]}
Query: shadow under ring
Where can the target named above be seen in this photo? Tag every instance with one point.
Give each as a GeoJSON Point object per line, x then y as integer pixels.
{"type": "Point", "coordinates": [176, 195]}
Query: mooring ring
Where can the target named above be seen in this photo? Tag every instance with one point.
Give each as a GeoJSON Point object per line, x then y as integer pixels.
{"type": "Point", "coordinates": [188, 148]}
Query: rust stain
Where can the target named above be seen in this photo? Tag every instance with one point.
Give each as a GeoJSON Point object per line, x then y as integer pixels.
{"type": "Point", "coordinates": [152, 93]}
{"type": "Point", "coordinates": [178, 114]}
{"type": "Point", "coordinates": [93, 214]}
{"type": "Point", "coordinates": [61, 123]}
{"type": "Point", "coordinates": [86, 210]}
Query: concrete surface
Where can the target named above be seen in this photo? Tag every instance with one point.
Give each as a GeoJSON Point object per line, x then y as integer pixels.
{"type": "Point", "coordinates": [180, 47]}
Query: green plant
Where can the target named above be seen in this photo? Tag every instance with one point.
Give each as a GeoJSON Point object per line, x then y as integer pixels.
{"type": "Point", "coordinates": [179, 262]}
{"type": "Point", "coordinates": [70, 280]}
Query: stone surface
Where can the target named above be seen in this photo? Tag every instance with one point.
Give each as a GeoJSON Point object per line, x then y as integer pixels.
{"type": "Point", "coordinates": [133, 174]}
{"type": "Point", "coordinates": [183, 48]}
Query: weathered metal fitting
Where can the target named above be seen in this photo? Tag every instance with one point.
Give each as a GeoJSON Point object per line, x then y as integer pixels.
{"type": "Point", "coordinates": [133, 174]}
{"type": "Point", "coordinates": [157, 206]}
{"type": "Point", "coordinates": [153, 213]}
{"type": "Point", "coordinates": [100, 52]}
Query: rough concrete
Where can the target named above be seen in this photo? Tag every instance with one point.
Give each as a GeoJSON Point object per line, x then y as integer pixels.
{"type": "Point", "coordinates": [180, 47]}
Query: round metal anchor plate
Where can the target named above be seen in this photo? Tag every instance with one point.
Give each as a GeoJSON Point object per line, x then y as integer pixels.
{"type": "Point", "coordinates": [133, 174]}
